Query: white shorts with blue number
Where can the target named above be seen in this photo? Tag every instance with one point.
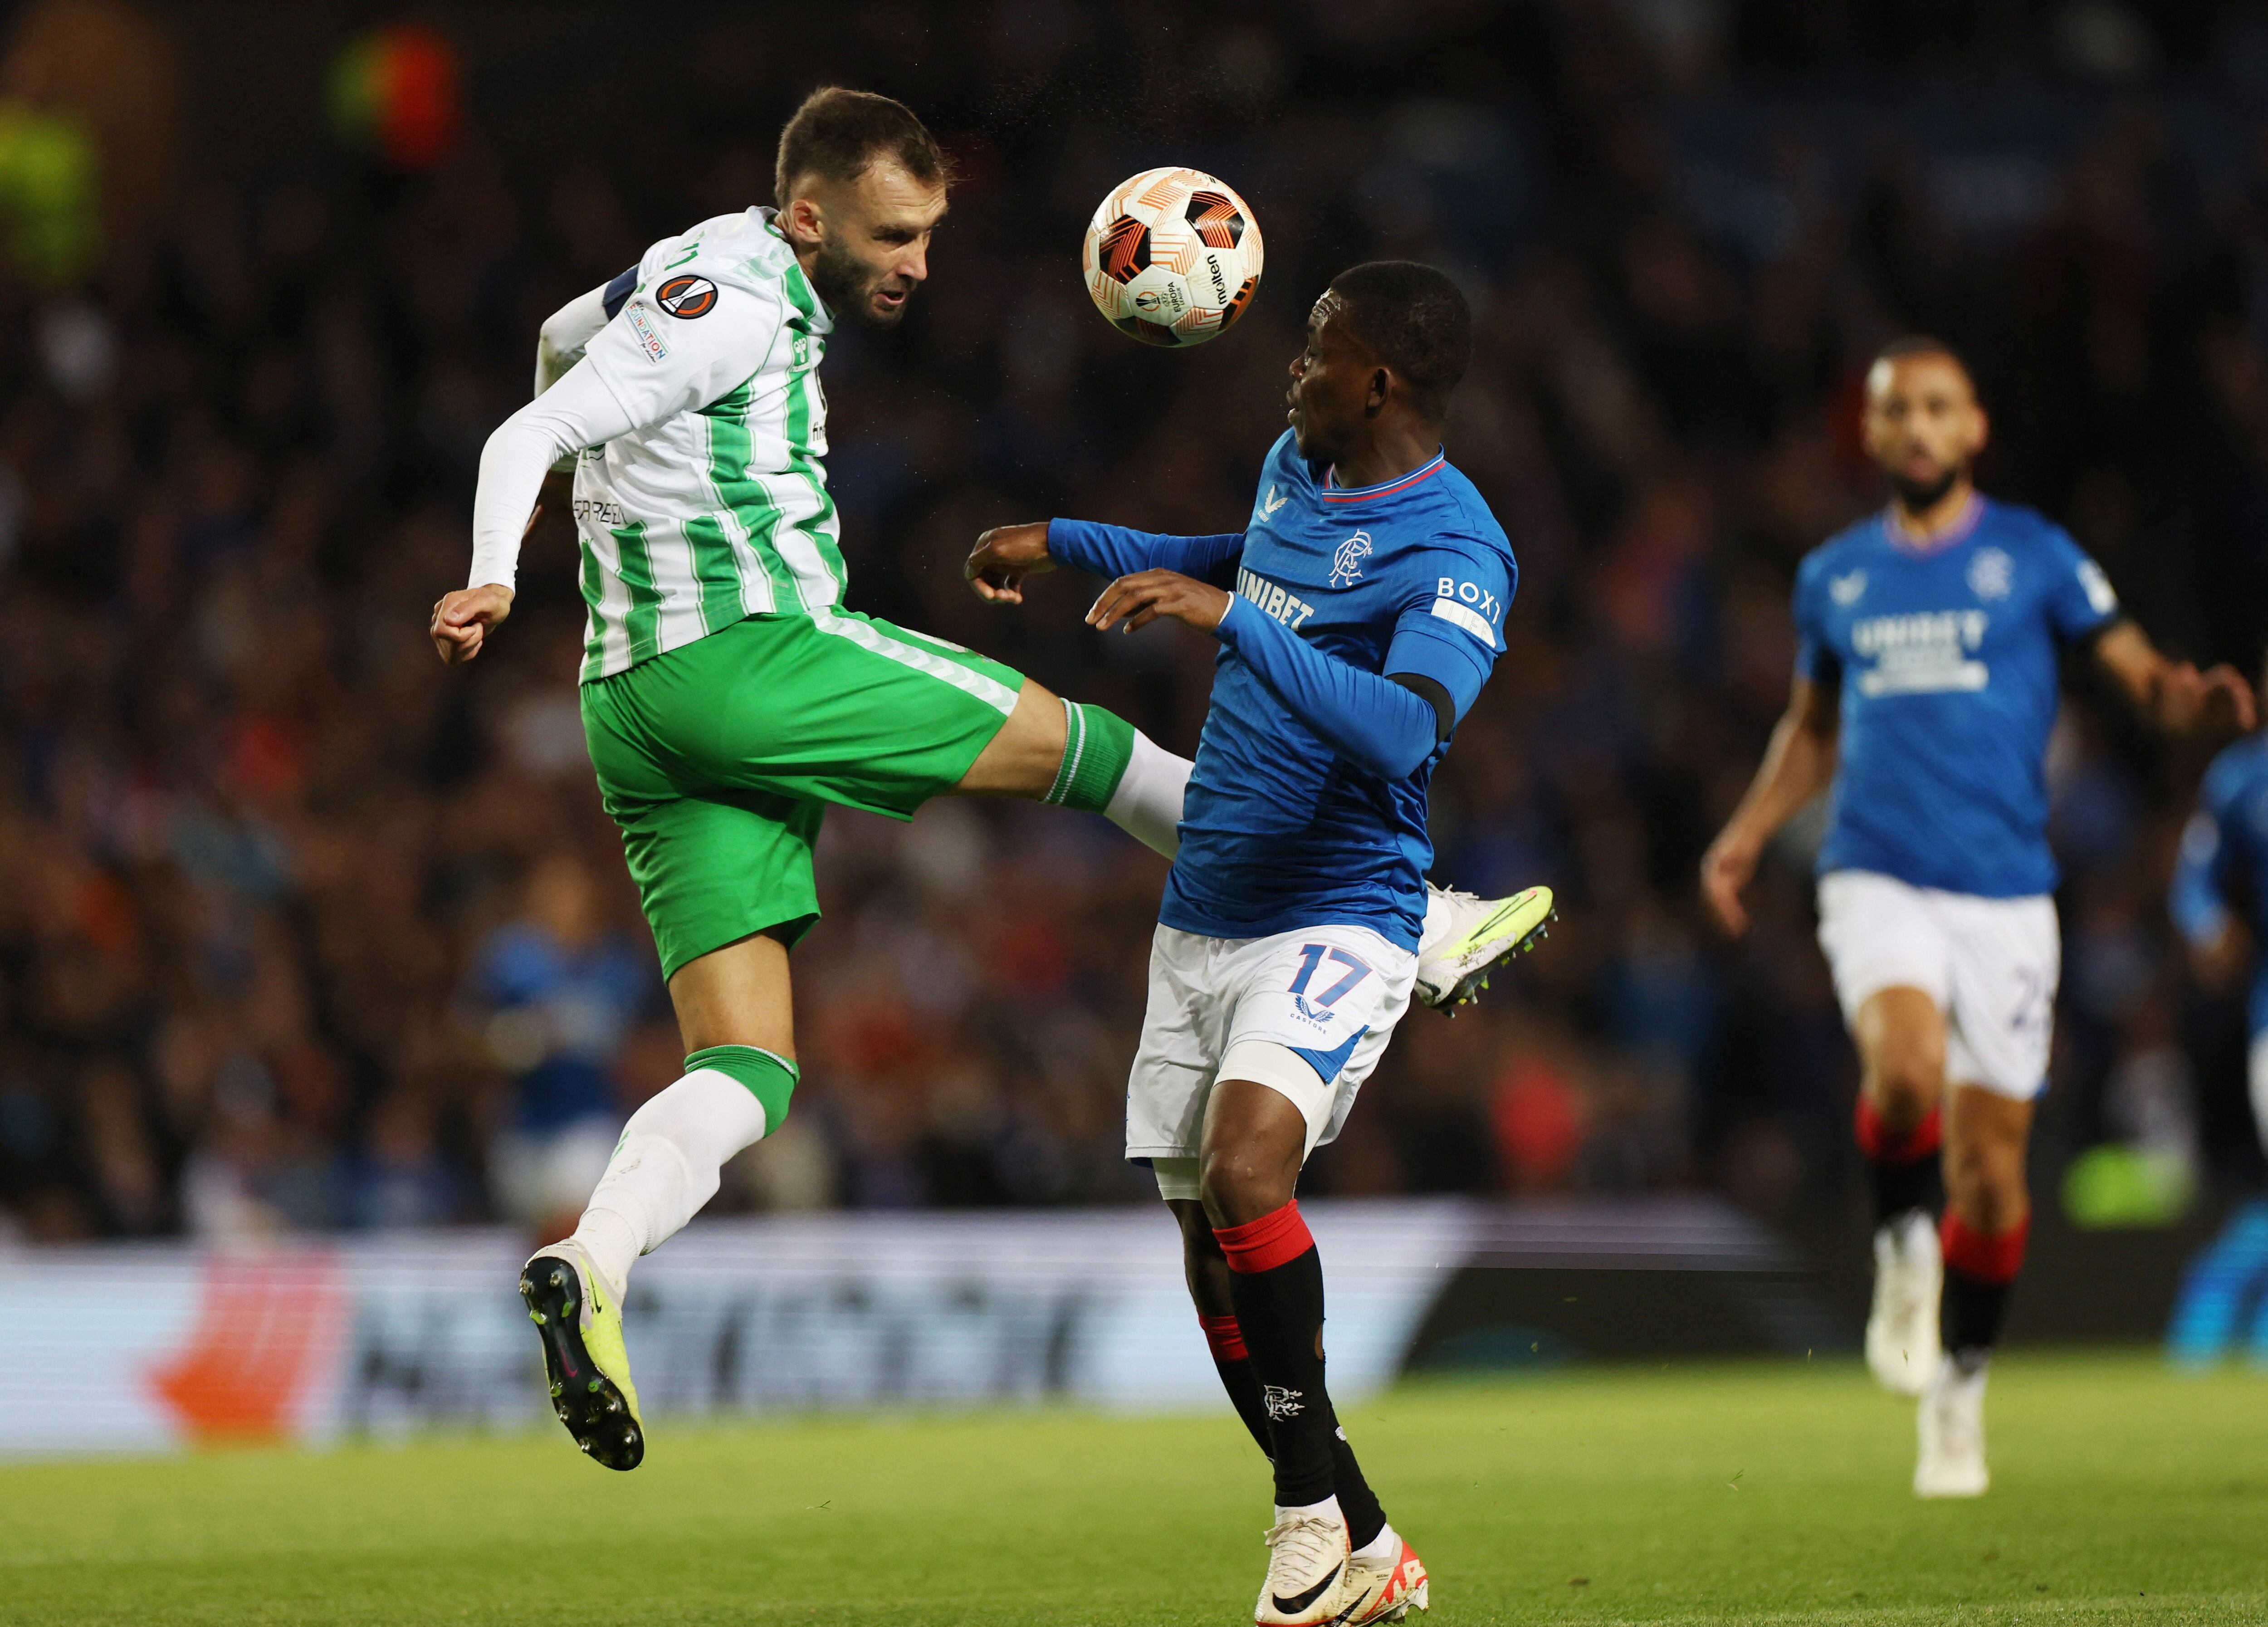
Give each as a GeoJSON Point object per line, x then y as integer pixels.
{"type": "Point", "coordinates": [1990, 965]}
{"type": "Point", "coordinates": [1329, 994]}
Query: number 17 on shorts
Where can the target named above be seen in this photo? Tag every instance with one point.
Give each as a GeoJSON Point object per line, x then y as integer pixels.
{"type": "Point", "coordinates": [1330, 995]}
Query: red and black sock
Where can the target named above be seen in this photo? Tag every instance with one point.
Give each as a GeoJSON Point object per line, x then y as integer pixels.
{"type": "Point", "coordinates": [1357, 1501]}
{"type": "Point", "coordinates": [1276, 1283]}
{"type": "Point", "coordinates": [1979, 1269]}
{"type": "Point", "coordinates": [1233, 1363]}
{"type": "Point", "coordinates": [1902, 1167]}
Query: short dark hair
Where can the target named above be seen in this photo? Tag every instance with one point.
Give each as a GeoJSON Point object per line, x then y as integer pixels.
{"type": "Point", "coordinates": [1416, 321]}
{"type": "Point", "coordinates": [837, 134]}
{"type": "Point", "coordinates": [1919, 344]}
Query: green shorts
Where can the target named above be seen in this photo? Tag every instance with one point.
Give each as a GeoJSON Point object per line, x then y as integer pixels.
{"type": "Point", "coordinates": [718, 759]}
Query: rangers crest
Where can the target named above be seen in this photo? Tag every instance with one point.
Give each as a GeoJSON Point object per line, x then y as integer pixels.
{"type": "Point", "coordinates": [1991, 573]}
{"type": "Point", "coordinates": [1346, 563]}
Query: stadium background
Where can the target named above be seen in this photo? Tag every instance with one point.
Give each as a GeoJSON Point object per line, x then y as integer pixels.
{"type": "Point", "coordinates": [270, 876]}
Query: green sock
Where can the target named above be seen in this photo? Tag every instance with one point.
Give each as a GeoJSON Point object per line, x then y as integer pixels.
{"type": "Point", "coordinates": [771, 1079]}
{"type": "Point", "coordinates": [1098, 745]}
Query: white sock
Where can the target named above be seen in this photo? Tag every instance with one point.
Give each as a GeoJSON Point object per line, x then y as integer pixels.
{"type": "Point", "coordinates": [1147, 804]}
{"type": "Point", "coordinates": [610, 1244]}
{"type": "Point", "coordinates": [1382, 1549]}
{"type": "Point", "coordinates": [1437, 919]}
{"type": "Point", "coordinates": [1328, 1509]}
{"type": "Point", "coordinates": [667, 1166]}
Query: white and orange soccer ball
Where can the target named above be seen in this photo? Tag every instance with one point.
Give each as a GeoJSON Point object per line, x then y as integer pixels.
{"type": "Point", "coordinates": [1171, 257]}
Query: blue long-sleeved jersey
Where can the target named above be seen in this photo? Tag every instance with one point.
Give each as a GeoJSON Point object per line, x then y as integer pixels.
{"type": "Point", "coordinates": [2223, 868]}
{"type": "Point", "coordinates": [1307, 803]}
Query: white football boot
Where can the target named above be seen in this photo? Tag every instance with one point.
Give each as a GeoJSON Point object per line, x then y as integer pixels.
{"type": "Point", "coordinates": [1902, 1341]}
{"type": "Point", "coordinates": [1308, 1582]}
{"type": "Point", "coordinates": [1385, 1589]}
{"type": "Point", "coordinates": [1466, 937]}
{"type": "Point", "coordinates": [1952, 1429]}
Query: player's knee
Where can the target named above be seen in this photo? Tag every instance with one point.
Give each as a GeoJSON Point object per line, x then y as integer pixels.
{"type": "Point", "coordinates": [1240, 1182]}
{"type": "Point", "coordinates": [1984, 1183]}
{"type": "Point", "coordinates": [1904, 1083]}
{"type": "Point", "coordinates": [1988, 1205]}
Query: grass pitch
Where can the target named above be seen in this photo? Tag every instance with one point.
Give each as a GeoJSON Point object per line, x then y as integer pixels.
{"type": "Point", "coordinates": [1774, 1493]}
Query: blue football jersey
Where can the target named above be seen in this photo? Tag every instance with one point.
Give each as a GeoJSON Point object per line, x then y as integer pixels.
{"type": "Point", "coordinates": [1279, 831]}
{"type": "Point", "coordinates": [2223, 869]}
{"type": "Point", "coordinates": [1948, 661]}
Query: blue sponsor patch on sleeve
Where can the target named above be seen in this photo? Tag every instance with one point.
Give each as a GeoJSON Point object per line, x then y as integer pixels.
{"type": "Point", "coordinates": [619, 291]}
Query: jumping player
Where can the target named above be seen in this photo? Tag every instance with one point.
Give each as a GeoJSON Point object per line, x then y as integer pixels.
{"type": "Point", "coordinates": [728, 696]}
{"type": "Point", "coordinates": [1925, 685]}
{"type": "Point", "coordinates": [1369, 589]}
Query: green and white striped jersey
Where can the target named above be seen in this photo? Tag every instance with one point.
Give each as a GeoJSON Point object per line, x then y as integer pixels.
{"type": "Point", "coordinates": [714, 506]}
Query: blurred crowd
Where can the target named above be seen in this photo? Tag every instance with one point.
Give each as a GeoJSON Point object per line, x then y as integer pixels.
{"type": "Point", "coordinates": [300, 931]}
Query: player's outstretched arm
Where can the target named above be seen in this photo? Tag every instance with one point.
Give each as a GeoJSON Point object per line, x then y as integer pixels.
{"type": "Point", "coordinates": [1798, 765]}
{"type": "Point", "coordinates": [1378, 725]}
{"type": "Point", "coordinates": [2175, 696]}
{"type": "Point", "coordinates": [1004, 555]}
{"type": "Point", "coordinates": [622, 383]}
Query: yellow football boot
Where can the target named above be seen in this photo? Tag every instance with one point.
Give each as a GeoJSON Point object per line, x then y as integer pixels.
{"type": "Point", "coordinates": [1466, 937]}
{"type": "Point", "coordinates": [581, 1326]}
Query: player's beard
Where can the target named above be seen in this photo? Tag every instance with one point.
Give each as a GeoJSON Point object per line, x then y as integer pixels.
{"type": "Point", "coordinates": [1919, 496]}
{"type": "Point", "coordinates": [848, 286]}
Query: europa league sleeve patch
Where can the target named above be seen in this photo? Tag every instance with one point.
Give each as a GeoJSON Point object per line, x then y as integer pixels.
{"type": "Point", "coordinates": [686, 297]}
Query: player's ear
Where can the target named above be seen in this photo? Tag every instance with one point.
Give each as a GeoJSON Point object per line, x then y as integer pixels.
{"type": "Point", "coordinates": [1381, 387]}
{"type": "Point", "coordinates": [803, 219]}
{"type": "Point", "coordinates": [1984, 431]}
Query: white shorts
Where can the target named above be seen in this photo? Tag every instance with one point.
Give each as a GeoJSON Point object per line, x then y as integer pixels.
{"type": "Point", "coordinates": [1991, 965]}
{"type": "Point", "coordinates": [1330, 995]}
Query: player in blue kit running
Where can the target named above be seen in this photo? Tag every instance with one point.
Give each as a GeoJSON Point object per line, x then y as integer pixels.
{"type": "Point", "coordinates": [2218, 902]}
{"type": "Point", "coordinates": [1930, 637]}
{"type": "Point", "coordinates": [1359, 612]}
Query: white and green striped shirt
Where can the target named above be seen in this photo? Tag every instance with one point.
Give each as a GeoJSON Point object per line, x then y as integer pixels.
{"type": "Point", "coordinates": [700, 497]}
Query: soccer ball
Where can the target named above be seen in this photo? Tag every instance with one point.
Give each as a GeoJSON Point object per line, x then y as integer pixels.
{"type": "Point", "coordinates": [1171, 257]}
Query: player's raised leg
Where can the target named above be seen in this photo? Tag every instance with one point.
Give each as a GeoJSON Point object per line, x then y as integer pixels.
{"type": "Point", "coordinates": [1466, 937]}
{"type": "Point", "coordinates": [1900, 1034]}
{"type": "Point", "coordinates": [1075, 755]}
{"type": "Point", "coordinates": [734, 1014]}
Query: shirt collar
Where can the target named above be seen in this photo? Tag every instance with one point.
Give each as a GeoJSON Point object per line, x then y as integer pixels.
{"type": "Point", "coordinates": [822, 319]}
{"type": "Point", "coordinates": [1332, 492]}
{"type": "Point", "coordinates": [1963, 525]}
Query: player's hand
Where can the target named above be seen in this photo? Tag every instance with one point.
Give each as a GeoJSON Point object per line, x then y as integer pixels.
{"type": "Point", "coordinates": [1003, 557]}
{"type": "Point", "coordinates": [1139, 599]}
{"type": "Point", "coordinates": [461, 620]}
{"type": "Point", "coordinates": [1725, 868]}
{"type": "Point", "coordinates": [2219, 701]}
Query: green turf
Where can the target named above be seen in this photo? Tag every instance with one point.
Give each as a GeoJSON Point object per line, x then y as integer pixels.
{"type": "Point", "coordinates": [1759, 1493]}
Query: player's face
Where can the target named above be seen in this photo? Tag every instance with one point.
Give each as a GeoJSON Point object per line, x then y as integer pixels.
{"type": "Point", "coordinates": [1923, 424]}
{"type": "Point", "coordinates": [1332, 381]}
{"type": "Point", "coordinates": [872, 241]}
